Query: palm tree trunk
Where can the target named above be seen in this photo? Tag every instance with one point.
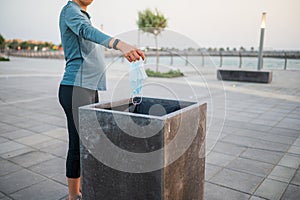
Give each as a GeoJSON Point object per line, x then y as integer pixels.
{"type": "Point", "coordinates": [157, 57]}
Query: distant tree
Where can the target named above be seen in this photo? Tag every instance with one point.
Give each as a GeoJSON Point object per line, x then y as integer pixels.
{"type": "Point", "coordinates": [47, 44]}
{"type": "Point", "coordinates": [221, 49]}
{"type": "Point", "coordinates": [40, 46]}
{"type": "Point", "coordinates": [154, 23]}
{"type": "Point", "coordinates": [252, 48]}
{"type": "Point", "coordinates": [14, 44]}
{"type": "Point", "coordinates": [2, 42]}
{"type": "Point", "coordinates": [227, 49]}
{"type": "Point", "coordinates": [31, 45]}
{"type": "Point", "coordinates": [242, 49]}
{"type": "Point", "coordinates": [191, 49]}
{"type": "Point", "coordinates": [25, 45]}
{"type": "Point", "coordinates": [234, 49]}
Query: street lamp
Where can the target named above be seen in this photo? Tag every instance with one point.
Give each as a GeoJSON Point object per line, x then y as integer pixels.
{"type": "Point", "coordinates": [261, 43]}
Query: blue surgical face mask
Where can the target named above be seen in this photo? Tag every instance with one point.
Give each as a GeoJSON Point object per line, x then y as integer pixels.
{"type": "Point", "coordinates": [137, 76]}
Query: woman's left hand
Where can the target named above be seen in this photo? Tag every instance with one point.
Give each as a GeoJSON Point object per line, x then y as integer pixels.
{"type": "Point", "coordinates": [130, 52]}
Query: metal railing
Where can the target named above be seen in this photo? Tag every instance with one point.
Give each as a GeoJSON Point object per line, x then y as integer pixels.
{"type": "Point", "coordinates": [240, 55]}
{"type": "Point", "coordinates": [185, 55]}
{"type": "Point", "coordinates": [35, 54]}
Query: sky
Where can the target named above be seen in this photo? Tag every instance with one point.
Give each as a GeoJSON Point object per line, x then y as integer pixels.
{"type": "Point", "coordinates": [209, 23]}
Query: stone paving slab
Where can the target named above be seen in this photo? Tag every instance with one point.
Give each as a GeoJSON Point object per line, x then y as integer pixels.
{"type": "Point", "coordinates": [291, 161]}
{"type": "Point", "coordinates": [265, 136]}
{"type": "Point", "coordinates": [8, 167]}
{"type": "Point", "coordinates": [10, 146]}
{"type": "Point", "coordinates": [16, 181]}
{"type": "Point", "coordinates": [33, 139]}
{"type": "Point", "coordinates": [215, 192]}
{"type": "Point", "coordinates": [1, 195]}
{"type": "Point", "coordinates": [5, 128]}
{"type": "Point", "coordinates": [251, 167]}
{"type": "Point", "coordinates": [239, 181]}
{"type": "Point", "coordinates": [266, 156]}
{"type": "Point", "coordinates": [17, 134]}
{"type": "Point", "coordinates": [296, 178]}
{"type": "Point", "coordinates": [31, 158]}
{"type": "Point", "coordinates": [57, 148]}
{"type": "Point", "coordinates": [17, 152]}
{"type": "Point", "coordinates": [219, 159]}
{"type": "Point", "coordinates": [283, 174]}
{"type": "Point", "coordinates": [50, 168]}
{"type": "Point", "coordinates": [47, 189]}
{"type": "Point", "coordinates": [229, 149]}
{"type": "Point", "coordinates": [292, 193]}
{"type": "Point", "coordinates": [2, 140]}
{"type": "Point", "coordinates": [211, 170]}
{"type": "Point", "coordinates": [255, 143]}
{"type": "Point", "coordinates": [297, 142]}
{"type": "Point", "coordinates": [60, 178]}
{"type": "Point", "coordinates": [284, 132]}
{"type": "Point", "coordinates": [44, 128]}
{"type": "Point", "coordinates": [271, 189]}
{"type": "Point", "coordinates": [294, 150]}
{"type": "Point", "coordinates": [254, 156]}
{"type": "Point", "coordinates": [6, 198]}
{"type": "Point", "coordinates": [57, 133]}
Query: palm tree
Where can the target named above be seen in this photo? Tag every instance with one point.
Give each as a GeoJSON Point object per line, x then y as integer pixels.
{"type": "Point", "coordinates": [154, 23]}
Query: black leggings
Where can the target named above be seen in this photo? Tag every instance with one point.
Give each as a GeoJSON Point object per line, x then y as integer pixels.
{"type": "Point", "coordinates": [70, 98]}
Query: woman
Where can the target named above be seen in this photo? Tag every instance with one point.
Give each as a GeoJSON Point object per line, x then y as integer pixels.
{"type": "Point", "coordinates": [84, 75]}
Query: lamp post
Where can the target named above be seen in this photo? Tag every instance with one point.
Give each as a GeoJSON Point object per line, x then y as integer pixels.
{"type": "Point", "coordinates": [261, 43]}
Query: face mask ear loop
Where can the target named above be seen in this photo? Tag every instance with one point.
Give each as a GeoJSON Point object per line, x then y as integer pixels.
{"type": "Point", "coordinates": [136, 102]}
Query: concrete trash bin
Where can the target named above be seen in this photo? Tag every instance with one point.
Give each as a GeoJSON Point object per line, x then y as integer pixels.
{"type": "Point", "coordinates": [151, 151]}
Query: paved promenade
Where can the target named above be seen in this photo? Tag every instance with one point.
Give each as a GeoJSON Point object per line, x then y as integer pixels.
{"type": "Point", "coordinates": [253, 143]}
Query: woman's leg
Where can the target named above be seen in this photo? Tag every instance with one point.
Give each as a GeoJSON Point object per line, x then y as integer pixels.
{"type": "Point", "coordinates": [74, 187]}
{"type": "Point", "coordinates": [71, 98]}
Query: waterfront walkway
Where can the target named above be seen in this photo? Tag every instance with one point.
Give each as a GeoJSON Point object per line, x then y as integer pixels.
{"type": "Point", "coordinates": [255, 155]}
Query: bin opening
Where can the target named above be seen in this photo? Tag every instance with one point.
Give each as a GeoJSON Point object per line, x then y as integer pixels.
{"type": "Point", "coordinates": [149, 106]}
